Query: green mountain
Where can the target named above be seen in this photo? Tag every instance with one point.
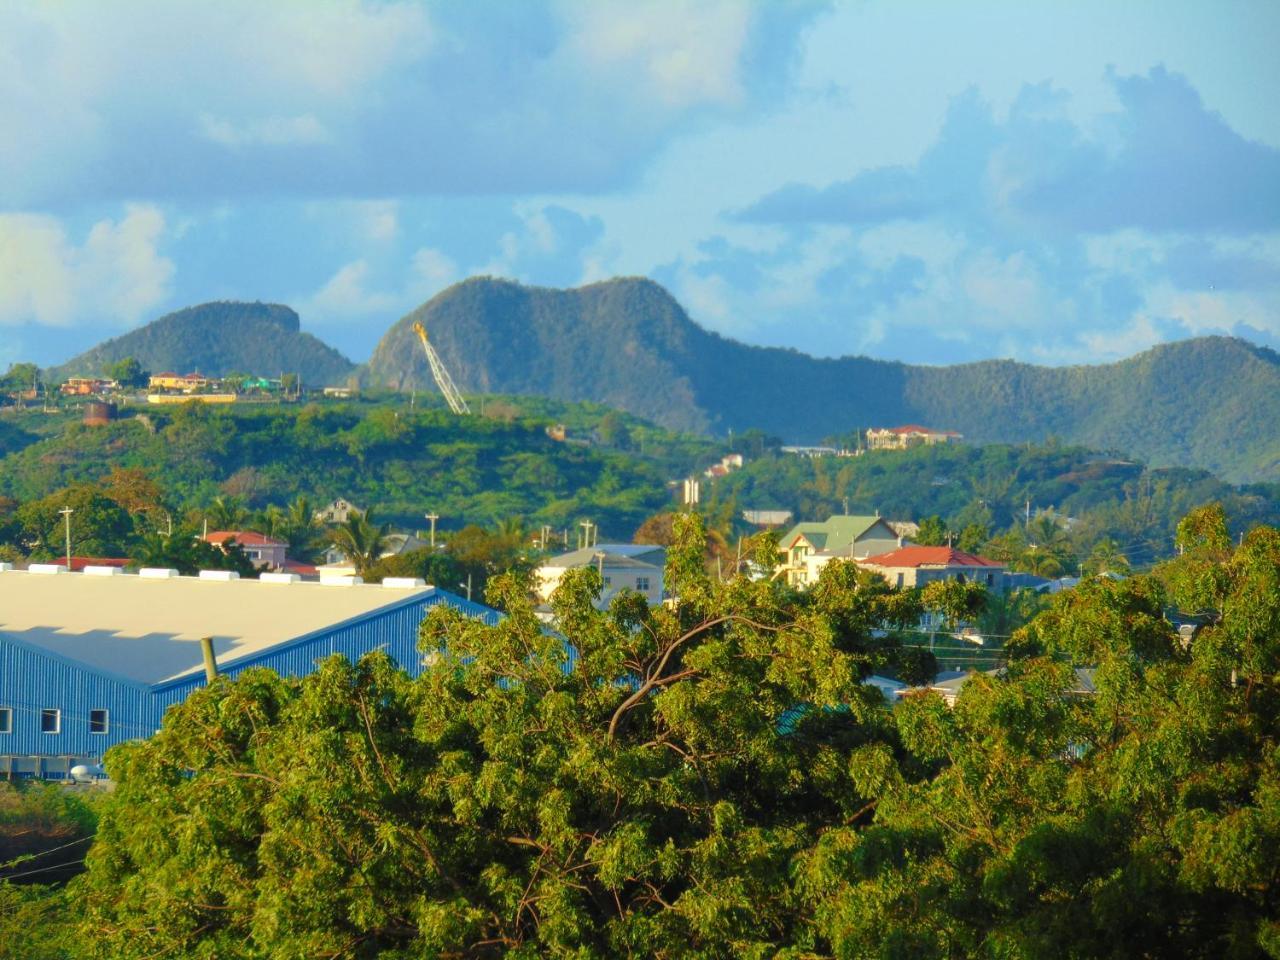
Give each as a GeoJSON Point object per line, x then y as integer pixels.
{"type": "Point", "coordinates": [1212, 403]}
{"type": "Point", "coordinates": [219, 338]}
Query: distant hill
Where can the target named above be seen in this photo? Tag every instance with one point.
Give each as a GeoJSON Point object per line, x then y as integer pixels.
{"type": "Point", "coordinates": [1212, 403]}
{"type": "Point", "coordinates": [219, 338]}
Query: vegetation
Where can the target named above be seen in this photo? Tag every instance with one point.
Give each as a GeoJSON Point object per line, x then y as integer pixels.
{"type": "Point", "coordinates": [1210, 403]}
{"type": "Point", "coordinates": [215, 339]}
{"type": "Point", "coordinates": [713, 779]}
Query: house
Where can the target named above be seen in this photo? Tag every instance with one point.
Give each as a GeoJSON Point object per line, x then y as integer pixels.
{"type": "Point", "coordinates": [915, 566]}
{"type": "Point", "coordinates": [340, 393]}
{"type": "Point", "coordinates": [623, 566]}
{"type": "Point", "coordinates": [725, 467]}
{"type": "Point", "coordinates": [766, 518]}
{"type": "Point", "coordinates": [900, 438]}
{"type": "Point", "coordinates": [88, 660]}
{"type": "Point", "coordinates": [807, 547]}
{"type": "Point", "coordinates": [87, 386]}
{"type": "Point", "coordinates": [267, 553]}
{"type": "Point", "coordinates": [335, 561]}
{"type": "Point", "coordinates": [184, 383]}
{"type": "Point", "coordinates": [337, 512]}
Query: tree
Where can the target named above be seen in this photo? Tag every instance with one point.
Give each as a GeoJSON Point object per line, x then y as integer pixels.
{"type": "Point", "coordinates": [226, 513]}
{"type": "Point", "coordinates": [99, 526]}
{"type": "Point", "coordinates": [184, 551]}
{"type": "Point", "coordinates": [361, 539]}
{"type": "Point", "coordinates": [1106, 557]}
{"type": "Point", "coordinates": [20, 378]}
{"type": "Point", "coordinates": [127, 372]}
{"type": "Point", "coordinates": [613, 431]}
{"type": "Point", "coordinates": [932, 533]}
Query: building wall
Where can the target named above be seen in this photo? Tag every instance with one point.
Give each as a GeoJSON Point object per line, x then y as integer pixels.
{"type": "Point", "coordinates": [32, 679]}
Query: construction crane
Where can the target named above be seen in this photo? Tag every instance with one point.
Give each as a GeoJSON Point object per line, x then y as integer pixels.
{"type": "Point", "coordinates": [443, 380]}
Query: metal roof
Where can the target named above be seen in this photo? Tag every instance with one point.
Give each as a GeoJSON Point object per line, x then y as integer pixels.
{"type": "Point", "coordinates": [149, 629]}
{"type": "Point", "coordinates": [615, 554]}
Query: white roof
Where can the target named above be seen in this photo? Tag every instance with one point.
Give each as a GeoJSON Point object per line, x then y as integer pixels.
{"type": "Point", "coordinates": [149, 630]}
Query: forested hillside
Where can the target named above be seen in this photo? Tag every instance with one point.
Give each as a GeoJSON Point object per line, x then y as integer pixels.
{"type": "Point", "coordinates": [216, 339]}
{"type": "Point", "coordinates": [1212, 403]}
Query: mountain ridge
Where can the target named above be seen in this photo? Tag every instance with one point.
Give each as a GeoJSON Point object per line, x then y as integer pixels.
{"type": "Point", "coordinates": [218, 338]}
{"type": "Point", "coordinates": [1211, 402]}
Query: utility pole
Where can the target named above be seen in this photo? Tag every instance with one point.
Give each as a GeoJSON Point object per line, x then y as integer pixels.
{"type": "Point", "coordinates": [433, 517]}
{"type": "Point", "coordinates": [586, 534]}
{"type": "Point", "coordinates": [66, 516]}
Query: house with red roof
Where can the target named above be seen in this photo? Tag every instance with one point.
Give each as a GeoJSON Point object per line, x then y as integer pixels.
{"type": "Point", "coordinates": [911, 435]}
{"type": "Point", "coordinates": [267, 553]}
{"type": "Point", "coordinates": [915, 566]}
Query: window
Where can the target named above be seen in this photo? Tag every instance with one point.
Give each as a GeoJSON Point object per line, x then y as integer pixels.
{"type": "Point", "coordinates": [608, 581]}
{"type": "Point", "coordinates": [642, 584]}
{"type": "Point", "coordinates": [6, 720]}
{"type": "Point", "coordinates": [50, 720]}
{"type": "Point", "coordinates": [98, 721]}
{"type": "Point", "coordinates": [901, 577]}
{"type": "Point", "coordinates": [991, 579]}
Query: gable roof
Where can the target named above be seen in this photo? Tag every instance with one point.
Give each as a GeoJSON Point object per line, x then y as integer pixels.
{"type": "Point", "coordinates": [835, 534]}
{"type": "Point", "coordinates": [149, 630]}
{"type": "Point", "coordinates": [615, 555]}
{"type": "Point", "coordinates": [917, 556]}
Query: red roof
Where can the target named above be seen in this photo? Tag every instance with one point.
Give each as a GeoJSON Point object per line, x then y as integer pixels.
{"type": "Point", "coordinates": [916, 428]}
{"type": "Point", "coordinates": [916, 556]}
{"type": "Point", "coordinates": [246, 538]}
{"type": "Point", "coordinates": [79, 563]}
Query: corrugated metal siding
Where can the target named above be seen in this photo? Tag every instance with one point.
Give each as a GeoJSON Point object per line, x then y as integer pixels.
{"type": "Point", "coordinates": [32, 679]}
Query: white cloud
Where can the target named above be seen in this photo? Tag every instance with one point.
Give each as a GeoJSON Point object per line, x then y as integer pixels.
{"type": "Point", "coordinates": [347, 294]}
{"type": "Point", "coordinates": [301, 130]}
{"type": "Point", "coordinates": [116, 274]}
{"type": "Point", "coordinates": [431, 271]}
{"type": "Point", "coordinates": [683, 53]}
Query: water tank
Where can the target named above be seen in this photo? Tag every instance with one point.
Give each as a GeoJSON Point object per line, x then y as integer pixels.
{"type": "Point", "coordinates": [99, 412]}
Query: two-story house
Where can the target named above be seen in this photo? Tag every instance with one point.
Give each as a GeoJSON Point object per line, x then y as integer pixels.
{"type": "Point", "coordinates": [808, 547]}
{"type": "Point", "coordinates": [622, 566]}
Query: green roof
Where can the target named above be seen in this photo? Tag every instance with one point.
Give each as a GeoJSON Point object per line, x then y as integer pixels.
{"type": "Point", "coordinates": [836, 534]}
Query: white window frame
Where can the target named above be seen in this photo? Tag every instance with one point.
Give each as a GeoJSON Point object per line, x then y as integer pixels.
{"type": "Point", "coordinates": [57, 720]}
{"type": "Point", "coordinates": [6, 720]}
{"type": "Point", "coordinates": [642, 584]}
{"type": "Point", "coordinates": [106, 722]}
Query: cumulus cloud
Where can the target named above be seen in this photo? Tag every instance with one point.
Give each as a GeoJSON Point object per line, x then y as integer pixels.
{"type": "Point", "coordinates": [347, 97]}
{"type": "Point", "coordinates": [116, 274]}
{"type": "Point", "coordinates": [1162, 162]}
{"type": "Point", "coordinates": [349, 293]}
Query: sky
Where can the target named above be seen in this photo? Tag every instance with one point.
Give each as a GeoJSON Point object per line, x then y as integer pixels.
{"type": "Point", "coordinates": [932, 182]}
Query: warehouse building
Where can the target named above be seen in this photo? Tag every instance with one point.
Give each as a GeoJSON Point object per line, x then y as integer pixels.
{"type": "Point", "coordinates": [88, 660]}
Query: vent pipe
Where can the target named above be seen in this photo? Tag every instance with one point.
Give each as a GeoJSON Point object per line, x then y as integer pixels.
{"type": "Point", "coordinates": [210, 661]}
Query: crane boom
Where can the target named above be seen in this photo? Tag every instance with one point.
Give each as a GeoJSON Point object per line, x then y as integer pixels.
{"type": "Point", "coordinates": [443, 380]}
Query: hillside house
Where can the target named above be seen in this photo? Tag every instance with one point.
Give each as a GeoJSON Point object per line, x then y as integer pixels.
{"type": "Point", "coordinates": [807, 547]}
{"type": "Point", "coordinates": [182, 383]}
{"type": "Point", "coordinates": [915, 566]}
{"type": "Point", "coordinates": [900, 438]}
{"type": "Point", "coordinates": [87, 386]}
{"type": "Point", "coordinates": [622, 566]}
{"type": "Point", "coordinates": [337, 512]}
{"type": "Point", "coordinates": [267, 553]}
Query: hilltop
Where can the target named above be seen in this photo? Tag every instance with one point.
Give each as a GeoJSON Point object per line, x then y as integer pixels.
{"type": "Point", "coordinates": [1211, 403]}
{"type": "Point", "coordinates": [217, 339]}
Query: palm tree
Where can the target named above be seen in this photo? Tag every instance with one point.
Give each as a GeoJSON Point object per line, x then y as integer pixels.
{"type": "Point", "coordinates": [361, 539]}
{"type": "Point", "coordinates": [226, 513]}
{"type": "Point", "coordinates": [1107, 557]}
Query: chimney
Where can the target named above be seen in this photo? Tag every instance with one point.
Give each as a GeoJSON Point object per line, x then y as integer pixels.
{"type": "Point", "coordinates": [210, 661]}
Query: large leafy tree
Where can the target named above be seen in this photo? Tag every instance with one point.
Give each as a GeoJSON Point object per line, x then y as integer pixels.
{"type": "Point", "coordinates": [99, 526]}
{"type": "Point", "coordinates": [641, 790]}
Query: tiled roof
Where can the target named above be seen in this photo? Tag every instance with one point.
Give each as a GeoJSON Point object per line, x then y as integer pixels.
{"type": "Point", "coordinates": [917, 556]}
{"type": "Point", "coordinates": [246, 538]}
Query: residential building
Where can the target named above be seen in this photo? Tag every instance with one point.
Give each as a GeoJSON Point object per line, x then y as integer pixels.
{"type": "Point", "coordinates": [767, 518]}
{"type": "Point", "coordinates": [622, 566]}
{"type": "Point", "coordinates": [900, 438]}
{"type": "Point", "coordinates": [337, 512]}
{"type": "Point", "coordinates": [915, 566]}
{"type": "Point", "coordinates": [808, 547]}
{"type": "Point", "coordinates": [90, 660]}
{"type": "Point", "coordinates": [725, 467]}
{"type": "Point", "coordinates": [87, 386]}
{"type": "Point", "coordinates": [267, 553]}
{"type": "Point", "coordinates": [184, 383]}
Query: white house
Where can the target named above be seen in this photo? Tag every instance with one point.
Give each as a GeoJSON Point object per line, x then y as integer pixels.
{"type": "Point", "coordinates": [622, 566]}
{"type": "Point", "coordinates": [808, 547]}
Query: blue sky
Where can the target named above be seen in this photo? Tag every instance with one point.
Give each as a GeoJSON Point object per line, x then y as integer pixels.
{"type": "Point", "coordinates": [931, 182]}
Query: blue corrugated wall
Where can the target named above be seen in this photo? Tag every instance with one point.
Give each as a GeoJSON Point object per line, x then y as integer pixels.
{"type": "Point", "coordinates": [32, 679]}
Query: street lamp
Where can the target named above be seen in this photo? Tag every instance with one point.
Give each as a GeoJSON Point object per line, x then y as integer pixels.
{"type": "Point", "coordinates": [66, 516]}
